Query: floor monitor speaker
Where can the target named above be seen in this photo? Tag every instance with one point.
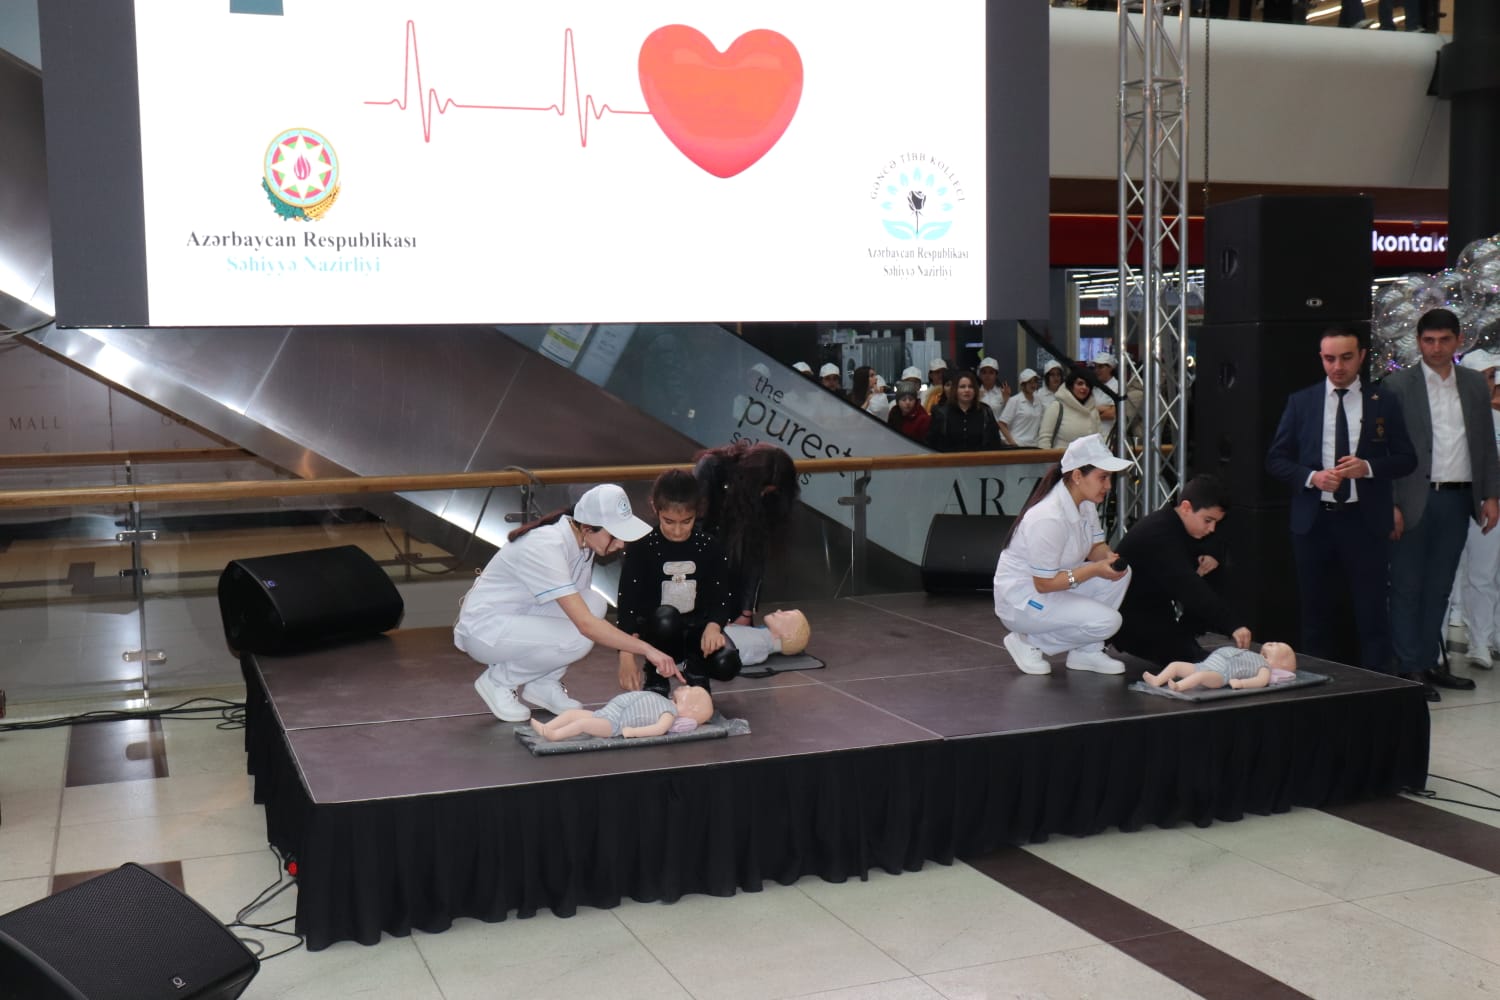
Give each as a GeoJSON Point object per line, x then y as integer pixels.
{"type": "Point", "coordinates": [1288, 258]}
{"type": "Point", "coordinates": [125, 935]}
{"type": "Point", "coordinates": [1244, 374]}
{"type": "Point", "coordinates": [962, 550]}
{"type": "Point", "coordinates": [288, 602]}
{"type": "Point", "coordinates": [1262, 576]}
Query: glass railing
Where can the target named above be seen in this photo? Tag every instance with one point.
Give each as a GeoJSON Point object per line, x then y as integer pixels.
{"type": "Point", "coordinates": [110, 591]}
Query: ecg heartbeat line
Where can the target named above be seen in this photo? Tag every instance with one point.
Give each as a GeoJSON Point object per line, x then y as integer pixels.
{"type": "Point", "coordinates": [430, 105]}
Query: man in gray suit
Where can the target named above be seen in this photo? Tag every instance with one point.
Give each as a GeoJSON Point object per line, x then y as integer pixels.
{"type": "Point", "coordinates": [1457, 478]}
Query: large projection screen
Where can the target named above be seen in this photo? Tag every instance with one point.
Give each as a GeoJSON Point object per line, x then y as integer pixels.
{"type": "Point", "coordinates": [347, 162]}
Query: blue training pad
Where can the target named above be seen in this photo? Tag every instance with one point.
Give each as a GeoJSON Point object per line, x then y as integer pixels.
{"type": "Point", "coordinates": [715, 728]}
{"type": "Point", "coordinates": [1304, 678]}
{"type": "Point", "coordinates": [779, 663]}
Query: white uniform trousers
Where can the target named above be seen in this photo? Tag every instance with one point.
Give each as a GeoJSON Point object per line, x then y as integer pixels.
{"type": "Point", "coordinates": [520, 648]}
{"type": "Point", "coordinates": [1070, 619]}
{"type": "Point", "coordinates": [1479, 583]}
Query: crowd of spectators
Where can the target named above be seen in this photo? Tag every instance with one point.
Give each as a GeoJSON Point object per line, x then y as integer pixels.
{"type": "Point", "coordinates": [1418, 15]}
{"type": "Point", "coordinates": [973, 410]}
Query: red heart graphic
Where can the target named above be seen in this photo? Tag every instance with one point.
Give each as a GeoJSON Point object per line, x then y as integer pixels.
{"type": "Point", "coordinates": [723, 110]}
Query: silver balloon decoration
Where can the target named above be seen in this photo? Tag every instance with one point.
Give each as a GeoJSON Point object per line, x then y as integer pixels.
{"type": "Point", "coordinates": [1480, 260]}
{"type": "Point", "coordinates": [1486, 328]}
{"type": "Point", "coordinates": [1444, 291]}
{"type": "Point", "coordinates": [1396, 311]}
{"type": "Point", "coordinates": [1471, 289]}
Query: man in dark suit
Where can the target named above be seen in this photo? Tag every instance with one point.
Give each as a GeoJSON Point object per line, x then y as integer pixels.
{"type": "Point", "coordinates": [1341, 505]}
{"type": "Point", "coordinates": [1457, 478]}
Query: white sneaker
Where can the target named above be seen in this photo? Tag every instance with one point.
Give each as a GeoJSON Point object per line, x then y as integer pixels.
{"type": "Point", "coordinates": [551, 695]}
{"type": "Point", "coordinates": [502, 701]}
{"type": "Point", "coordinates": [1479, 656]}
{"type": "Point", "coordinates": [1029, 659]}
{"type": "Point", "coordinates": [1095, 660]}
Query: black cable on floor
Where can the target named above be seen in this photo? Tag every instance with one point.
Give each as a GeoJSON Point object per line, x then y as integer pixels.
{"type": "Point", "coordinates": [1431, 796]}
{"type": "Point", "coordinates": [270, 892]}
{"type": "Point", "coordinates": [229, 714]}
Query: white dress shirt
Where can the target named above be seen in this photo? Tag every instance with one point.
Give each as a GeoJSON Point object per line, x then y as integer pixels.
{"type": "Point", "coordinates": [1450, 447]}
{"type": "Point", "coordinates": [1354, 412]}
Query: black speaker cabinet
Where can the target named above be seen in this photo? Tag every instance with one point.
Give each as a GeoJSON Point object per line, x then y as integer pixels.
{"type": "Point", "coordinates": [125, 935]}
{"type": "Point", "coordinates": [1288, 258]}
{"type": "Point", "coordinates": [1262, 579]}
{"type": "Point", "coordinates": [962, 550]}
{"type": "Point", "coordinates": [288, 602]}
{"type": "Point", "coordinates": [1244, 374]}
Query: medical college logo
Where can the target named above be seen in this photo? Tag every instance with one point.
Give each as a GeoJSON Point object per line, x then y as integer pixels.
{"type": "Point", "coordinates": [917, 196]}
{"type": "Point", "coordinates": [301, 174]}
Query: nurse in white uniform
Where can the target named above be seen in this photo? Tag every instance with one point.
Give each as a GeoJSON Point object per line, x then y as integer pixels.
{"type": "Point", "coordinates": [531, 613]}
{"type": "Point", "coordinates": [1055, 589]}
{"type": "Point", "coordinates": [1479, 574]}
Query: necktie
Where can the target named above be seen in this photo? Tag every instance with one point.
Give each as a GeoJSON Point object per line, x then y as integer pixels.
{"type": "Point", "coordinates": [1341, 444]}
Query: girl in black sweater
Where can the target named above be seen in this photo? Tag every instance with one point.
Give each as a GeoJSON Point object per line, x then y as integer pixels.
{"type": "Point", "coordinates": [673, 587]}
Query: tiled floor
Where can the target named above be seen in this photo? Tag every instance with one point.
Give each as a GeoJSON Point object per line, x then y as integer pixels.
{"type": "Point", "coordinates": [1393, 899]}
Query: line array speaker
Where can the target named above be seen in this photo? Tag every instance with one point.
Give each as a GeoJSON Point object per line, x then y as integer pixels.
{"type": "Point", "coordinates": [1288, 258]}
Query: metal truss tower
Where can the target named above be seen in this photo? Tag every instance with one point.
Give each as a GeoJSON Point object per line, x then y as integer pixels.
{"type": "Point", "coordinates": [1151, 307]}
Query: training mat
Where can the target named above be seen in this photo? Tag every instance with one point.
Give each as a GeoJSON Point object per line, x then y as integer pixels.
{"type": "Point", "coordinates": [777, 663]}
{"type": "Point", "coordinates": [715, 728]}
{"type": "Point", "coordinates": [1304, 678]}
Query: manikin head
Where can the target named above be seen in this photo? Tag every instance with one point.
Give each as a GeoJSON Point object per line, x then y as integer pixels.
{"type": "Point", "coordinates": [693, 702]}
{"type": "Point", "coordinates": [1280, 656]}
{"type": "Point", "coordinates": [791, 628]}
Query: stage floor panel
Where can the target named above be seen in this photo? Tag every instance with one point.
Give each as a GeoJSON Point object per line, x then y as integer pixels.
{"type": "Point", "coordinates": [396, 715]}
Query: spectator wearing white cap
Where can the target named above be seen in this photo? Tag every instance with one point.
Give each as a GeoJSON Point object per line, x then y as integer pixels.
{"type": "Point", "coordinates": [1056, 589]}
{"type": "Point", "coordinates": [911, 378]}
{"type": "Point", "coordinates": [992, 392]}
{"type": "Point", "coordinates": [937, 378]}
{"type": "Point", "coordinates": [804, 368]}
{"type": "Point", "coordinates": [1104, 371]}
{"type": "Point", "coordinates": [878, 404]}
{"type": "Point", "coordinates": [1052, 380]}
{"type": "Point", "coordinates": [1021, 420]}
{"type": "Point", "coordinates": [1479, 575]}
{"type": "Point", "coordinates": [831, 378]}
{"type": "Point", "coordinates": [531, 613]}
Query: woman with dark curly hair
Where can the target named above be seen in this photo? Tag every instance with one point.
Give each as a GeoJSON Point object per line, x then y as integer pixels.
{"type": "Point", "coordinates": [748, 490]}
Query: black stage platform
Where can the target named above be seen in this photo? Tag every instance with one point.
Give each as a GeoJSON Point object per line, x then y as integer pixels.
{"type": "Point", "coordinates": [406, 805]}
